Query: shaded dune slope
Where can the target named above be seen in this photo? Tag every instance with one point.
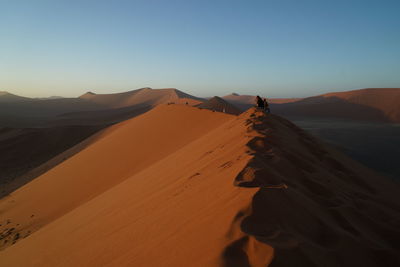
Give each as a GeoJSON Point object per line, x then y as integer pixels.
{"type": "Point", "coordinates": [384, 99]}
{"type": "Point", "coordinates": [26, 153]}
{"type": "Point", "coordinates": [254, 191]}
{"type": "Point", "coordinates": [218, 104]}
{"type": "Point", "coordinates": [46, 108]}
{"type": "Point", "coordinates": [244, 102]}
{"type": "Point", "coordinates": [374, 104]}
{"type": "Point", "coordinates": [334, 212]}
{"type": "Point", "coordinates": [7, 97]}
{"type": "Point", "coordinates": [99, 117]}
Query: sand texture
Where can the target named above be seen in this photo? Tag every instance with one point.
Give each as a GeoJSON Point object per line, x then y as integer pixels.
{"type": "Point", "coordinates": [219, 104]}
{"type": "Point", "coordinates": [182, 186]}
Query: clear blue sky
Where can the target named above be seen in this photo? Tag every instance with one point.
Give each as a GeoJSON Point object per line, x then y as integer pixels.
{"type": "Point", "coordinates": [278, 48]}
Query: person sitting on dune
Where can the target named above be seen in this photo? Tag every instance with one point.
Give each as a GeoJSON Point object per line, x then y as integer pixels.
{"type": "Point", "coordinates": [259, 102]}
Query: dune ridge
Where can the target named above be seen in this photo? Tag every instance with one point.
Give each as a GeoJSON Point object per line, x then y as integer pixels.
{"type": "Point", "coordinates": [117, 153]}
{"type": "Point", "coordinates": [252, 190]}
{"type": "Point", "coordinates": [190, 204]}
{"type": "Point", "coordinates": [219, 104]}
{"type": "Point", "coordinates": [8, 97]}
{"type": "Point", "coordinates": [244, 102]}
{"type": "Point", "coordinates": [369, 104]}
{"type": "Point", "coordinates": [315, 206]}
{"type": "Point", "coordinates": [143, 96]}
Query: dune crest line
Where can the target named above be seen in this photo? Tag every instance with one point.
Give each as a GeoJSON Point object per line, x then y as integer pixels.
{"type": "Point", "coordinates": [334, 211]}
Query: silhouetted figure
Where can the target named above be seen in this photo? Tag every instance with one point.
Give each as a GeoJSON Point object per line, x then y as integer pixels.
{"type": "Point", "coordinates": [266, 106]}
{"type": "Point", "coordinates": [260, 102]}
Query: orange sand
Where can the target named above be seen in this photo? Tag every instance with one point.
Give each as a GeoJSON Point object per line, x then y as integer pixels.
{"type": "Point", "coordinates": [179, 186]}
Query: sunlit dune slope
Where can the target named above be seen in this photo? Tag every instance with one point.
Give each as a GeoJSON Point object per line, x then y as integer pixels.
{"type": "Point", "coordinates": [252, 190]}
{"type": "Point", "coordinates": [142, 97]}
{"type": "Point", "coordinates": [177, 212]}
{"type": "Point", "coordinates": [120, 152]}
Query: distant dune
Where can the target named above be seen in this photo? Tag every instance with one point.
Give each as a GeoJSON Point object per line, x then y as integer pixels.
{"type": "Point", "coordinates": [283, 100]}
{"type": "Point", "coordinates": [34, 108]}
{"type": "Point", "coordinates": [8, 97]}
{"type": "Point", "coordinates": [218, 104]}
{"type": "Point", "coordinates": [33, 131]}
{"type": "Point", "coordinates": [181, 186]}
{"type": "Point", "coordinates": [373, 104]}
{"type": "Point", "coordinates": [50, 97]}
{"type": "Point", "coordinates": [379, 105]}
{"type": "Point", "coordinates": [88, 109]}
{"type": "Point", "coordinates": [245, 102]}
{"type": "Point", "coordinates": [144, 96]}
{"type": "Point", "coordinates": [376, 104]}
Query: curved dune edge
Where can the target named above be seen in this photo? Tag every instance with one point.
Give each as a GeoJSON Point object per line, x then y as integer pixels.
{"type": "Point", "coordinates": [112, 156]}
{"type": "Point", "coordinates": [253, 190]}
{"type": "Point", "coordinates": [176, 211]}
{"type": "Point", "coordinates": [314, 206]}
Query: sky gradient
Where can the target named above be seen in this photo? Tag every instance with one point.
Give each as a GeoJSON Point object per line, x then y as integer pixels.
{"type": "Point", "coordinates": [277, 48]}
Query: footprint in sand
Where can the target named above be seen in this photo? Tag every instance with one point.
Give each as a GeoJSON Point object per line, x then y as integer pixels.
{"type": "Point", "coordinates": [194, 175]}
{"type": "Point", "coordinates": [226, 164]}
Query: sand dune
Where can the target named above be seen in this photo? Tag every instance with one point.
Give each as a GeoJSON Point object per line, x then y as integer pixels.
{"type": "Point", "coordinates": [144, 96]}
{"type": "Point", "coordinates": [91, 172]}
{"type": "Point", "coordinates": [372, 104]}
{"type": "Point", "coordinates": [375, 104]}
{"type": "Point", "coordinates": [334, 211]}
{"type": "Point", "coordinates": [46, 108]}
{"type": "Point", "coordinates": [8, 97]}
{"type": "Point", "coordinates": [88, 109]}
{"type": "Point", "coordinates": [218, 104]}
{"type": "Point", "coordinates": [123, 106]}
{"type": "Point", "coordinates": [204, 189]}
{"type": "Point", "coordinates": [48, 120]}
{"type": "Point", "coordinates": [99, 117]}
{"type": "Point", "coordinates": [384, 99]}
{"type": "Point", "coordinates": [244, 102]}
{"type": "Point", "coordinates": [23, 150]}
